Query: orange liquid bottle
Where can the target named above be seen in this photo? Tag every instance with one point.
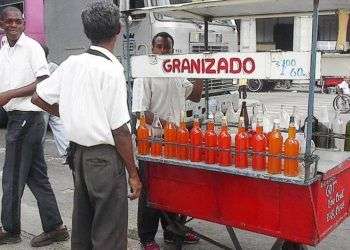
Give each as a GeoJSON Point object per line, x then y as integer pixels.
{"type": "Point", "coordinates": [259, 143]}
{"type": "Point", "coordinates": [291, 149]}
{"type": "Point", "coordinates": [157, 132]}
{"type": "Point", "coordinates": [182, 139]}
{"type": "Point", "coordinates": [211, 143]}
{"type": "Point", "coordinates": [242, 145]}
{"type": "Point", "coordinates": [224, 141]}
{"type": "Point", "coordinates": [169, 139]}
{"type": "Point", "coordinates": [196, 142]}
{"type": "Point", "coordinates": [274, 163]}
{"type": "Point", "coordinates": [142, 134]}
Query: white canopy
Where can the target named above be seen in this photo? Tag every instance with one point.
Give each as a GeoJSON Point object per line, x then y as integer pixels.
{"type": "Point", "coordinates": [235, 9]}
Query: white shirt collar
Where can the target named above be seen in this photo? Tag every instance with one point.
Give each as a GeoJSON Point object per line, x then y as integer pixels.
{"type": "Point", "coordinates": [105, 51]}
{"type": "Point", "coordinates": [20, 41]}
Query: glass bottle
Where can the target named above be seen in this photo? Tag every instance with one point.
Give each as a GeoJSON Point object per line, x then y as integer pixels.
{"type": "Point", "coordinates": [244, 114]}
{"type": "Point", "coordinates": [347, 137]}
{"type": "Point", "coordinates": [266, 121]}
{"type": "Point", "coordinates": [284, 117]}
{"type": "Point", "coordinates": [292, 150]}
{"type": "Point", "coordinates": [224, 142]}
{"type": "Point", "coordinates": [242, 145]}
{"type": "Point", "coordinates": [211, 142]}
{"type": "Point", "coordinates": [157, 133]}
{"type": "Point", "coordinates": [143, 145]}
{"type": "Point", "coordinates": [182, 139]}
{"type": "Point", "coordinates": [259, 143]}
{"type": "Point", "coordinates": [169, 139]}
{"type": "Point", "coordinates": [338, 127]}
{"type": "Point", "coordinates": [218, 114]}
{"type": "Point", "coordinates": [275, 149]}
{"type": "Point", "coordinates": [196, 141]}
{"type": "Point", "coordinates": [230, 114]}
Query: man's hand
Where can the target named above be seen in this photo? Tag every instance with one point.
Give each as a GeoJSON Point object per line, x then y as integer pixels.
{"type": "Point", "coordinates": [5, 97]}
{"type": "Point", "coordinates": [135, 186]}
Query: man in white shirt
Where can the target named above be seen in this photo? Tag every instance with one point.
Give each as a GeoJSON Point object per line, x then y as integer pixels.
{"type": "Point", "coordinates": [164, 96]}
{"type": "Point", "coordinates": [22, 66]}
{"type": "Point", "coordinates": [90, 90]}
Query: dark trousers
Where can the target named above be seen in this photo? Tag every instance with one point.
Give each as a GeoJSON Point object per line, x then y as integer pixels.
{"type": "Point", "coordinates": [147, 217]}
{"type": "Point", "coordinates": [100, 212]}
{"type": "Point", "coordinates": [25, 164]}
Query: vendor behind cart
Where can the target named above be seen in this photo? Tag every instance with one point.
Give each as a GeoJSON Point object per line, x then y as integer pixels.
{"type": "Point", "coordinates": [166, 97]}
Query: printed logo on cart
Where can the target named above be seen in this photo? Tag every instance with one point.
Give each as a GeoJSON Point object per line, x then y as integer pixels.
{"type": "Point", "coordinates": [335, 199]}
{"type": "Point", "coordinates": [233, 65]}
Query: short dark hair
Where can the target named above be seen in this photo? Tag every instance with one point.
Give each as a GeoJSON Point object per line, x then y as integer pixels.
{"type": "Point", "coordinates": [8, 9]}
{"type": "Point", "coordinates": [164, 35]}
{"type": "Point", "coordinates": [101, 21]}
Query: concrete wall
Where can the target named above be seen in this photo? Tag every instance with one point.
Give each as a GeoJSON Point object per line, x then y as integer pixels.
{"type": "Point", "coordinates": [63, 28]}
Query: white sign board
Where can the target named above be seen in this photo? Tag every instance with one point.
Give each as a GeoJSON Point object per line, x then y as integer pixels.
{"type": "Point", "coordinates": [260, 65]}
{"type": "Point", "coordinates": [292, 65]}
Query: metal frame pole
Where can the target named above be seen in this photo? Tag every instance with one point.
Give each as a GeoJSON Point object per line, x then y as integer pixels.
{"type": "Point", "coordinates": [128, 71]}
{"type": "Point", "coordinates": [310, 112]}
{"type": "Point", "coordinates": [206, 49]}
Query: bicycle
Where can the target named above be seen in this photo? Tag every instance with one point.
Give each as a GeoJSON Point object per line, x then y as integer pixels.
{"type": "Point", "coordinates": [341, 102]}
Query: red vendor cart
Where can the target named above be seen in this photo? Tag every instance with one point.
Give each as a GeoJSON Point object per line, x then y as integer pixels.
{"type": "Point", "coordinates": [298, 211]}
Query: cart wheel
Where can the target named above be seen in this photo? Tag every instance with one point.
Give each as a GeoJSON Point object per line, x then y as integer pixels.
{"type": "Point", "coordinates": [341, 103]}
{"type": "Point", "coordinates": [288, 245]}
{"type": "Point", "coordinates": [255, 85]}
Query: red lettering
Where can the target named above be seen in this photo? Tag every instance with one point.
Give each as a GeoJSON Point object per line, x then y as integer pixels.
{"type": "Point", "coordinates": [196, 66]}
{"type": "Point", "coordinates": [222, 65]}
{"type": "Point", "coordinates": [248, 62]}
{"type": "Point", "coordinates": [185, 66]}
{"type": "Point", "coordinates": [209, 69]}
{"type": "Point", "coordinates": [235, 65]}
{"type": "Point", "coordinates": [167, 66]}
{"type": "Point", "coordinates": [176, 65]}
{"type": "Point", "coordinates": [203, 65]}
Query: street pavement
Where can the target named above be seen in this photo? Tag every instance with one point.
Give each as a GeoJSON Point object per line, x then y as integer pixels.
{"type": "Point", "coordinates": [61, 181]}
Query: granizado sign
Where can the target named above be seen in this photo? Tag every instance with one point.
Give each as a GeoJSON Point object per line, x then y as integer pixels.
{"type": "Point", "coordinates": [264, 65]}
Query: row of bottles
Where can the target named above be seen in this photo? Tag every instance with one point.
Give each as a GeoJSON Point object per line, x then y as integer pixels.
{"type": "Point", "coordinates": [197, 146]}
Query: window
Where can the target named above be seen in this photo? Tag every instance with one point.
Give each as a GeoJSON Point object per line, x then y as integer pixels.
{"type": "Point", "coordinates": [328, 28]}
{"type": "Point", "coordinates": [134, 4]}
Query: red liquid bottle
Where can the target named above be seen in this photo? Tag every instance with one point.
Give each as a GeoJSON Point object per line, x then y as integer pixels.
{"type": "Point", "coordinates": [224, 141]}
{"type": "Point", "coordinates": [142, 133]}
{"type": "Point", "coordinates": [157, 133]}
{"type": "Point", "coordinates": [182, 139]}
{"type": "Point", "coordinates": [211, 143]}
{"type": "Point", "coordinates": [259, 143]}
{"type": "Point", "coordinates": [169, 139]}
{"type": "Point", "coordinates": [274, 163]}
{"type": "Point", "coordinates": [196, 142]}
{"type": "Point", "coordinates": [292, 150]}
{"type": "Point", "coordinates": [242, 145]}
